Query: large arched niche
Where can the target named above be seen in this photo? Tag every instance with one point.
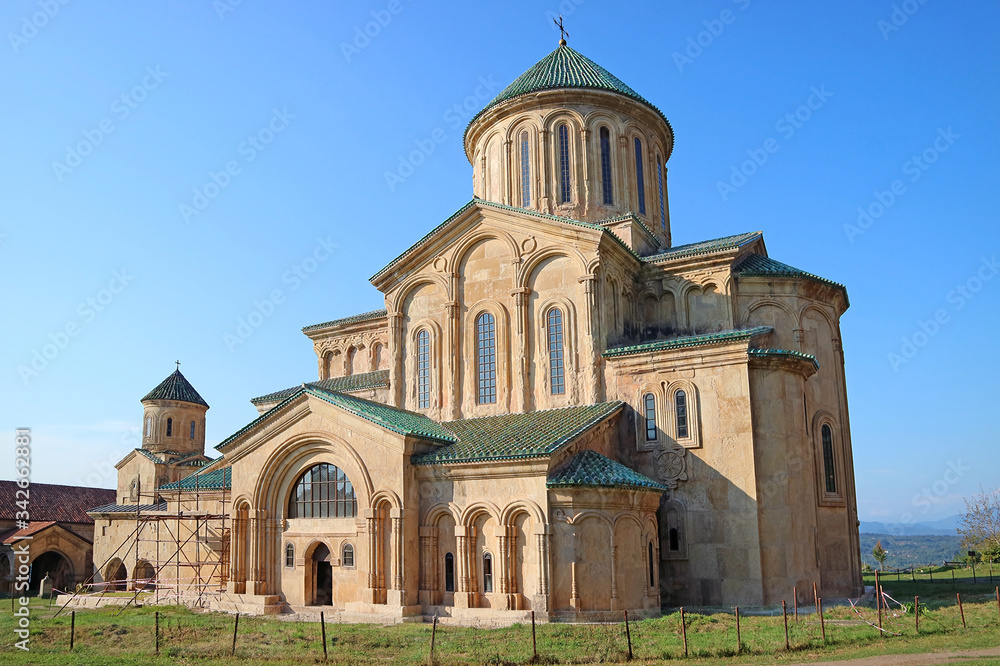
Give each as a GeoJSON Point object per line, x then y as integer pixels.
{"type": "Point", "coordinates": [781, 319]}
{"type": "Point", "coordinates": [288, 461]}
{"type": "Point", "coordinates": [817, 339]}
{"type": "Point", "coordinates": [486, 271]}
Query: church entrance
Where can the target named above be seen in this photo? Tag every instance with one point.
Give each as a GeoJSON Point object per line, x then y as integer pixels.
{"type": "Point", "coordinates": [53, 565]}
{"type": "Point", "coordinates": [322, 577]}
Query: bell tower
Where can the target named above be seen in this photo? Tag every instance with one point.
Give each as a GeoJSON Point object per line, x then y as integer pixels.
{"type": "Point", "coordinates": [173, 419]}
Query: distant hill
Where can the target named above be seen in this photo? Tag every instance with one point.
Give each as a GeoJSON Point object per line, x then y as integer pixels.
{"type": "Point", "coordinates": [944, 527]}
{"type": "Point", "coordinates": [915, 550]}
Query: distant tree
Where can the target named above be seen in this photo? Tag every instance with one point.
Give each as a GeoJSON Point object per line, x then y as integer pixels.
{"type": "Point", "coordinates": [880, 554]}
{"type": "Point", "coordinates": [980, 528]}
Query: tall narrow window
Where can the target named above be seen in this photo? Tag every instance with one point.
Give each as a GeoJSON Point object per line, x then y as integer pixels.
{"type": "Point", "coordinates": [449, 572]}
{"type": "Point", "coordinates": [525, 171]}
{"type": "Point", "coordinates": [652, 581]}
{"type": "Point", "coordinates": [487, 358]}
{"type": "Point", "coordinates": [348, 559]}
{"type": "Point", "coordinates": [606, 186]}
{"type": "Point", "coordinates": [170, 427]}
{"type": "Point", "coordinates": [831, 475]}
{"type": "Point", "coordinates": [557, 369]}
{"type": "Point", "coordinates": [680, 404]}
{"type": "Point", "coordinates": [638, 177]}
{"type": "Point", "coordinates": [649, 409]}
{"type": "Point", "coordinates": [564, 193]}
{"type": "Point", "coordinates": [659, 179]}
{"type": "Point", "coordinates": [149, 426]}
{"type": "Point", "coordinates": [675, 541]}
{"type": "Point", "coordinates": [191, 435]}
{"type": "Point", "coordinates": [487, 573]}
{"type": "Point", "coordinates": [423, 369]}
{"type": "Point", "coordinates": [289, 555]}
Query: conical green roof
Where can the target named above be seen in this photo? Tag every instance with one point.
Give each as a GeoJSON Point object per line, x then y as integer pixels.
{"type": "Point", "coordinates": [175, 387]}
{"type": "Point", "coordinates": [565, 68]}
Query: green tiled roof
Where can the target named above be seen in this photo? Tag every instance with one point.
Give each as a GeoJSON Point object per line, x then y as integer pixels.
{"type": "Point", "coordinates": [589, 468]}
{"type": "Point", "coordinates": [128, 508]}
{"type": "Point", "coordinates": [565, 68]}
{"type": "Point", "coordinates": [757, 265]}
{"type": "Point", "coordinates": [151, 456]}
{"type": "Point", "coordinates": [783, 353]}
{"type": "Point", "coordinates": [364, 316]}
{"type": "Point", "coordinates": [525, 211]}
{"type": "Point", "coordinates": [514, 436]}
{"type": "Point", "coordinates": [358, 382]}
{"type": "Point", "coordinates": [705, 247]}
{"type": "Point", "coordinates": [689, 341]}
{"type": "Point", "coordinates": [390, 418]}
{"type": "Point", "coordinates": [175, 387]}
{"type": "Point", "coordinates": [217, 479]}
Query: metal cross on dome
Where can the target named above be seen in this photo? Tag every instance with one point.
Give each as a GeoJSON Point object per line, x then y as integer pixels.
{"type": "Point", "coordinates": [563, 34]}
{"type": "Point", "coordinates": [178, 364]}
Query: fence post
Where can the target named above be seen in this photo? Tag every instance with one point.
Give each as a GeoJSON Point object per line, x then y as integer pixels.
{"type": "Point", "coordinates": [916, 612]}
{"type": "Point", "coordinates": [795, 602]}
{"type": "Point", "coordinates": [960, 609]}
{"type": "Point", "coordinates": [322, 626]}
{"type": "Point", "coordinates": [534, 644]}
{"type": "Point", "coordinates": [628, 637]}
{"type": "Point", "coordinates": [72, 629]}
{"type": "Point", "coordinates": [157, 616]}
{"type": "Point", "coordinates": [815, 597]}
{"type": "Point", "coordinates": [931, 572]}
{"type": "Point", "coordinates": [912, 577]}
{"type": "Point", "coordinates": [434, 629]}
{"type": "Point", "coordinates": [784, 616]}
{"type": "Point", "coordinates": [822, 622]}
{"type": "Point", "coordinates": [878, 602]}
{"type": "Point", "coordinates": [739, 639]}
{"type": "Point", "coordinates": [684, 632]}
{"type": "Point", "coordinates": [998, 601]}
{"type": "Point", "coordinates": [236, 627]}
{"type": "Point", "coordinates": [952, 576]}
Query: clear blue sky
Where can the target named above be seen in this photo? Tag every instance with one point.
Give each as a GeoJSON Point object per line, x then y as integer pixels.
{"type": "Point", "coordinates": [330, 121]}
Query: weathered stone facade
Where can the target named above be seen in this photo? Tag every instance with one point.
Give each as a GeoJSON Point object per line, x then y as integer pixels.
{"type": "Point", "coordinates": [557, 411]}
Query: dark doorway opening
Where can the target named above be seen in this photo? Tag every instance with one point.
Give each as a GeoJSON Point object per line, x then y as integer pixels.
{"type": "Point", "coordinates": [54, 566]}
{"type": "Point", "coordinates": [323, 575]}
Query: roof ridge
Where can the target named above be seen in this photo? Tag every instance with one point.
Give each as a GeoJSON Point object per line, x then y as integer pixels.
{"type": "Point", "coordinates": [710, 246]}
{"type": "Point", "coordinates": [364, 316]}
{"type": "Point", "coordinates": [760, 265]}
{"type": "Point", "coordinates": [536, 411]}
{"type": "Point", "coordinates": [687, 341]}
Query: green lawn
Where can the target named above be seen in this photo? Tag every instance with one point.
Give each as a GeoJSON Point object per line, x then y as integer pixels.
{"type": "Point", "coordinates": [199, 638]}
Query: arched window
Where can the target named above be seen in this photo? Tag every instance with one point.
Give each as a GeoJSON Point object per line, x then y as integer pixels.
{"type": "Point", "coordinates": [423, 369]}
{"type": "Point", "coordinates": [659, 179]}
{"type": "Point", "coordinates": [828, 469]}
{"type": "Point", "coordinates": [557, 370]}
{"type": "Point", "coordinates": [564, 191]}
{"type": "Point", "coordinates": [640, 185]}
{"type": "Point", "coordinates": [525, 171]}
{"type": "Point", "coordinates": [323, 491]}
{"type": "Point", "coordinates": [289, 555]}
{"type": "Point", "coordinates": [449, 572]}
{"type": "Point", "coordinates": [149, 426]}
{"type": "Point", "coordinates": [191, 436]}
{"type": "Point", "coordinates": [680, 410]}
{"type": "Point", "coordinates": [675, 541]}
{"type": "Point", "coordinates": [487, 572]}
{"type": "Point", "coordinates": [606, 186]}
{"type": "Point", "coordinates": [649, 411]}
{"type": "Point", "coordinates": [486, 358]}
{"type": "Point", "coordinates": [348, 558]}
{"type": "Point", "coordinates": [170, 427]}
{"type": "Point", "coordinates": [652, 581]}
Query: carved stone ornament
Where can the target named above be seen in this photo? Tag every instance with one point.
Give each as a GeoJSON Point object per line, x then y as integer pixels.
{"type": "Point", "coordinates": [529, 244]}
{"type": "Point", "coordinates": [671, 467]}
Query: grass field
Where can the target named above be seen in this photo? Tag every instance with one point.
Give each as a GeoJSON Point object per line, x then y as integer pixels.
{"type": "Point", "coordinates": [199, 638]}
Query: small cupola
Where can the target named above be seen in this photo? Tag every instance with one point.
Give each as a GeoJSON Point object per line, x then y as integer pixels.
{"type": "Point", "coordinates": [174, 417]}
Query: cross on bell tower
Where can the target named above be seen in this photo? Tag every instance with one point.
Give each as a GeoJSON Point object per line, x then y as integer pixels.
{"type": "Point", "coordinates": [563, 34]}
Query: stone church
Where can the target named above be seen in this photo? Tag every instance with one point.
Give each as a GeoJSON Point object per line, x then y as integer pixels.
{"type": "Point", "coordinates": [557, 410]}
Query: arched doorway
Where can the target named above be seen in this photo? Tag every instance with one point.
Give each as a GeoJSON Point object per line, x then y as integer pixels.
{"type": "Point", "coordinates": [53, 565]}
{"type": "Point", "coordinates": [144, 576]}
{"type": "Point", "coordinates": [115, 576]}
{"type": "Point", "coordinates": [322, 575]}
{"type": "Point", "coordinates": [5, 575]}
